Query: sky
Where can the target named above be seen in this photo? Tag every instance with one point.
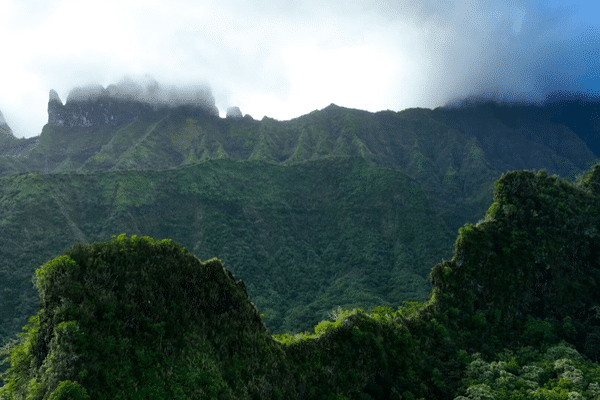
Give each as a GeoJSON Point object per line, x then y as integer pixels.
{"type": "Point", "coordinates": [284, 59]}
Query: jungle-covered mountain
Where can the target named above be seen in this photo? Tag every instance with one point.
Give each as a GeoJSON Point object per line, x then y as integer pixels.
{"type": "Point", "coordinates": [339, 207]}
{"type": "Point", "coordinates": [513, 315]}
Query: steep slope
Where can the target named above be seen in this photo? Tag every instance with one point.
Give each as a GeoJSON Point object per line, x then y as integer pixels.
{"type": "Point", "coordinates": [518, 129]}
{"type": "Point", "coordinates": [11, 147]}
{"type": "Point", "coordinates": [537, 254]}
{"type": "Point", "coordinates": [137, 318]}
{"type": "Point", "coordinates": [111, 313]}
{"type": "Point", "coordinates": [4, 128]}
{"type": "Point", "coordinates": [578, 114]}
{"type": "Point", "coordinates": [305, 238]}
{"type": "Point", "coordinates": [456, 154]}
{"type": "Point", "coordinates": [521, 288]}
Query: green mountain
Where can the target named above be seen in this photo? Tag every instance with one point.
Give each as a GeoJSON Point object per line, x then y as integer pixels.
{"type": "Point", "coordinates": [455, 154]}
{"type": "Point", "coordinates": [337, 209]}
{"type": "Point", "coordinates": [451, 163]}
{"type": "Point", "coordinates": [513, 314]}
{"type": "Point", "coordinates": [306, 237]}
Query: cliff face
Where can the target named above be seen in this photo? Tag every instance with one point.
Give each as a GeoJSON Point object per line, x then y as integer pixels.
{"type": "Point", "coordinates": [4, 128]}
{"type": "Point", "coordinates": [101, 106]}
{"type": "Point", "coordinates": [102, 110]}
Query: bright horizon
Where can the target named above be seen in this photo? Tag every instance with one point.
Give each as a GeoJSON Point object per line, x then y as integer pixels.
{"type": "Point", "coordinates": [284, 61]}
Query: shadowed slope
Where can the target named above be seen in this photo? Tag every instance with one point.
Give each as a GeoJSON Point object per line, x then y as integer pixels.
{"type": "Point", "coordinates": [536, 256]}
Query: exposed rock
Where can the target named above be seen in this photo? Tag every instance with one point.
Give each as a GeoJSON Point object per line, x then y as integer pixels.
{"type": "Point", "coordinates": [54, 96]}
{"type": "Point", "coordinates": [4, 128]}
{"type": "Point", "coordinates": [55, 107]}
{"type": "Point", "coordinates": [102, 110]}
{"type": "Point", "coordinates": [234, 112]}
{"type": "Point", "coordinates": [126, 102]}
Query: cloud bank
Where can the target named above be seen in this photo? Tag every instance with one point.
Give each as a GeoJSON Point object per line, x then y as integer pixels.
{"type": "Point", "coordinates": [148, 91]}
{"type": "Point", "coordinates": [284, 60]}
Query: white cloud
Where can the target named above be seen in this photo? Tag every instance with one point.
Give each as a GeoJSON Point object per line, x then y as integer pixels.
{"type": "Point", "coordinates": [284, 59]}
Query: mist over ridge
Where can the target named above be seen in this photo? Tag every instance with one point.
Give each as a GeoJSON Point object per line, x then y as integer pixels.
{"type": "Point", "coordinates": [147, 91]}
{"type": "Point", "coordinates": [126, 101]}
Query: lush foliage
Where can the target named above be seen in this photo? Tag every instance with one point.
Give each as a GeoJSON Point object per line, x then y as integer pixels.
{"type": "Point", "coordinates": [340, 209]}
{"type": "Point", "coordinates": [482, 333]}
{"type": "Point", "coordinates": [558, 373]}
{"type": "Point", "coordinates": [261, 216]}
{"type": "Point", "coordinates": [304, 238]}
{"type": "Point", "coordinates": [134, 318]}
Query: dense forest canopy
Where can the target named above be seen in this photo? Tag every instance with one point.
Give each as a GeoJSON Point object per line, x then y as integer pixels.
{"type": "Point", "coordinates": [319, 218]}
{"type": "Point", "coordinates": [488, 302]}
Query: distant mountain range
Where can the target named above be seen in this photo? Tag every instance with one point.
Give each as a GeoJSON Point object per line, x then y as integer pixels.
{"type": "Point", "coordinates": [450, 155]}
{"type": "Point", "coordinates": [437, 147]}
{"type": "Point", "coordinates": [337, 208]}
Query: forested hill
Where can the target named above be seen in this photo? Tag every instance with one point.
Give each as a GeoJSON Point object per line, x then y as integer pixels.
{"type": "Point", "coordinates": [338, 208]}
{"type": "Point", "coordinates": [455, 154]}
{"type": "Point", "coordinates": [305, 238]}
{"type": "Point", "coordinates": [513, 314]}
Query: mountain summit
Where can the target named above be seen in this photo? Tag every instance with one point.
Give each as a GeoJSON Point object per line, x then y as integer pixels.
{"type": "Point", "coordinates": [123, 103]}
{"type": "Point", "coordinates": [101, 110]}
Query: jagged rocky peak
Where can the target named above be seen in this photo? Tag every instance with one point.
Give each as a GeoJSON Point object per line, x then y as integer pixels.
{"type": "Point", "coordinates": [55, 109]}
{"type": "Point", "coordinates": [234, 112]}
{"type": "Point", "coordinates": [54, 97]}
{"type": "Point", "coordinates": [125, 102]}
{"type": "Point", "coordinates": [4, 128]}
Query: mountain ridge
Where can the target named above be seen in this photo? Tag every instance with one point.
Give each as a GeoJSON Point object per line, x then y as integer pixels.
{"type": "Point", "coordinates": [452, 163]}
{"type": "Point", "coordinates": [387, 139]}
{"type": "Point", "coordinates": [337, 208]}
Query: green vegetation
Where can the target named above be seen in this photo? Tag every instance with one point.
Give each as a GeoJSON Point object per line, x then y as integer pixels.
{"type": "Point", "coordinates": [322, 216]}
{"type": "Point", "coordinates": [513, 315]}
{"type": "Point", "coordinates": [133, 318]}
{"type": "Point", "coordinates": [333, 232]}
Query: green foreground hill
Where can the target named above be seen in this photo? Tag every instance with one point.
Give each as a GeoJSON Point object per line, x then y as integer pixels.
{"type": "Point", "coordinates": [514, 314]}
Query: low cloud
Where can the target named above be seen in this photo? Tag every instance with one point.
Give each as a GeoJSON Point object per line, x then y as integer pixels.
{"type": "Point", "coordinates": [148, 91]}
{"type": "Point", "coordinates": [284, 60]}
